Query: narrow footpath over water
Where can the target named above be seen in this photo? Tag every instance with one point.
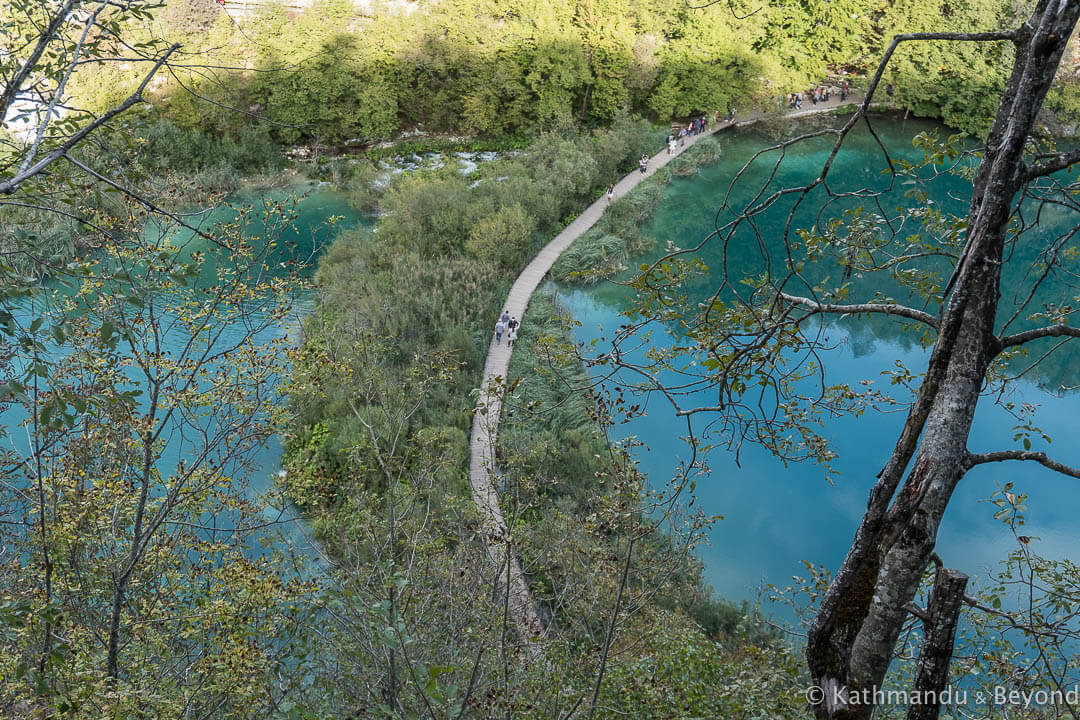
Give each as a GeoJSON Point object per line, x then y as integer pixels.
{"type": "Point", "coordinates": [484, 438]}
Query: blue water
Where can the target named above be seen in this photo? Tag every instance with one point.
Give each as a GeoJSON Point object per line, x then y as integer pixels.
{"type": "Point", "coordinates": [310, 232]}
{"type": "Point", "coordinates": [775, 516]}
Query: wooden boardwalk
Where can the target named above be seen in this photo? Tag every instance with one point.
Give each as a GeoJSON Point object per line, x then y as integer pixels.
{"type": "Point", "coordinates": [486, 420]}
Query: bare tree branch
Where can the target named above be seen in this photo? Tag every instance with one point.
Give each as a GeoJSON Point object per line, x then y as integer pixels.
{"type": "Point", "coordinates": [140, 199]}
{"type": "Point", "coordinates": [1051, 164]}
{"type": "Point", "coordinates": [58, 94]}
{"type": "Point", "coordinates": [12, 88]}
{"type": "Point", "coordinates": [894, 309]}
{"type": "Point", "coordinates": [10, 186]}
{"type": "Point", "coordinates": [1040, 457]}
{"type": "Point", "coordinates": [1058, 330]}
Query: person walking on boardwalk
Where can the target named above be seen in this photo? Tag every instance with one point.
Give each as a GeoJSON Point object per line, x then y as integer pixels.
{"type": "Point", "coordinates": [500, 328]}
{"type": "Point", "coordinates": [610, 193]}
{"type": "Point", "coordinates": [511, 334]}
{"type": "Point", "coordinates": [644, 164]}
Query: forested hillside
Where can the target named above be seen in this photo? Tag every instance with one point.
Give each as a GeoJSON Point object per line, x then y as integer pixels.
{"type": "Point", "coordinates": [334, 74]}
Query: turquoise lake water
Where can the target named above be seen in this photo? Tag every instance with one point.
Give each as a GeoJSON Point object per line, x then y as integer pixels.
{"type": "Point", "coordinates": [777, 516]}
{"type": "Point", "coordinates": [310, 232]}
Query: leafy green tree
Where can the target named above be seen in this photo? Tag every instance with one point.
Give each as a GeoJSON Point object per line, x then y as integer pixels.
{"type": "Point", "coordinates": [955, 81]}
{"type": "Point", "coordinates": [557, 72]}
{"type": "Point", "coordinates": [808, 35]}
{"type": "Point", "coordinates": [503, 238]}
{"type": "Point", "coordinates": [709, 67]}
{"type": "Point", "coordinates": [760, 331]}
{"type": "Point", "coordinates": [142, 408]}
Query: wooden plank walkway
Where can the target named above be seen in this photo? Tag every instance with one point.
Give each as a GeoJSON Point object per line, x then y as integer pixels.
{"type": "Point", "coordinates": [488, 407]}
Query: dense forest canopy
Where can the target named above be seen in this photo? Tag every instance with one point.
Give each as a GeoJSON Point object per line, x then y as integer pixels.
{"type": "Point", "coordinates": [336, 73]}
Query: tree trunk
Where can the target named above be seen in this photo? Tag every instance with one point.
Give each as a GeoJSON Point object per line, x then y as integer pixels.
{"type": "Point", "coordinates": [861, 615]}
{"type": "Point", "coordinates": [939, 631]}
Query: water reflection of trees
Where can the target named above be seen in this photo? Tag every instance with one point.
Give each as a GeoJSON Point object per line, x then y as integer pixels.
{"type": "Point", "coordinates": [918, 211]}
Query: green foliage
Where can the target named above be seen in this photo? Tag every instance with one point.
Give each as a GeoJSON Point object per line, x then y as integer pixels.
{"type": "Point", "coordinates": [338, 94]}
{"type": "Point", "coordinates": [500, 239]}
{"type": "Point", "coordinates": [431, 215]}
{"type": "Point", "coordinates": [680, 673]}
{"type": "Point", "coordinates": [489, 70]}
{"type": "Point", "coordinates": [317, 458]}
{"type": "Point", "coordinates": [1064, 100]}
{"type": "Point", "coordinates": [166, 146]}
{"type": "Point", "coordinates": [959, 82]}
{"type": "Point", "coordinates": [806, 36]}
{"type": "Point", "coordinates": [592, 257]}
{"type": "Point", "coordinates": [709, 66]}
{"type": "Point", "coordinates": [428, 281]}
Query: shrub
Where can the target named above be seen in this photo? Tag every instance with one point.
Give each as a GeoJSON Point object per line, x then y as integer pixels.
{"type": "Point", "coordinates": [502, 239]}
{"type": "Point", "coordinates": [168, 147]}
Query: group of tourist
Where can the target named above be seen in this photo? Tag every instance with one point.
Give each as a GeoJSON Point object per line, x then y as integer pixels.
{"type": "Point", "coordinates": [821, 93]}
{"type": "Point", "coordinates": [508, 325]}
{"type": "Point", "coordinates": [696, 126]}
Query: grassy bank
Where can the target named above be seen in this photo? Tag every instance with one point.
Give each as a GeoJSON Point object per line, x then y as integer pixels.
{"type": "Point", "coordinates": [430, 279]}
{"type": "Point", "coordinates": [377, 455]}
{"type": "Point", "coordinates": [604, 250]}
